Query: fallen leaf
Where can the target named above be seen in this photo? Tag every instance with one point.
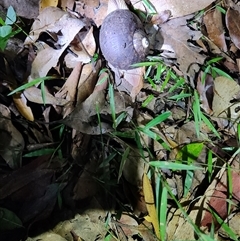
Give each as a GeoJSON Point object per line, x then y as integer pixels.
{"type": "Point", "coordinates": [215, 30]}
{"type": "Point", "coordinates": [69, 89]}
{"type": "Point", "coordinates": [84, 116]}
{"type": "Point", "coordinates": [177, 34]}
{"type": "Point", "coordinates": [34, 95]}
{"type": "Point", "coordinates": [225, 111]}
{"type": "Point", "coordinates": [220, 194]}
{"type": "Point", "coordinates": [178, 8]}
{"type": "Point", "coordinates": [205, 91]}
{"type": "Point", "coordinates": [150, 203]}
{"type": "Point", "coordinates": [130, 81]}
{"type": "Point", "coordinates": [21, 104]}
{"type": "Point", "coordinates": [87, 81]}
{"type": "Point", "coordinates": [12, 143]}
{"type": "Point", "coordinates": [47, 3]}
{"type": "Point", "coordinates": [94, 9]}
{"type": "Point", "coordinates": [54, 21]}
{"type": "Point", "coordinates": [232, 20]}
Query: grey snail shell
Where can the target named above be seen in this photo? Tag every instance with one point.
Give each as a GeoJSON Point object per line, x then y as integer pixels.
{"type": "Point", "coordinates": [122, 39]}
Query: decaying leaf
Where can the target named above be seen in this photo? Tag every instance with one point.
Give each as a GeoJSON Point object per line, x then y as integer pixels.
{"type": "Point", "coordinates": [87, 81]}
{"type": "Point", "coordinates": [150, 203]}
{"type": "Point", "coordinates": [21, 104]}
{"type": "Point", "coordinates": [225, 110]}
{"type": "Point", "coordinates": [12, 143]}
{"type": "Point", "coordinates": [232, 22]}
{"type": "Point", "coordinates": [178, 35]}
{"type": "Point", "coordinates": [34, 95]}
{"type": "Point", "coordinates": [177, 8]}
{"type": "Point", "coordinates": [95, 10]}
{"type": "Point", "coordinates": [130, 81]}
{"type": "Point", "coordinates": [84, 116]}
{"type": "Point", "coordinates": [215, 196]}
{"type": "Point", "coordinates": [215, 30]}
{"type": "Point", "coordinates": [47, 3]}
{"type": "Point", "coordinates": [65, 28]}
{"type": "Point", "coordinates": [205, 91]}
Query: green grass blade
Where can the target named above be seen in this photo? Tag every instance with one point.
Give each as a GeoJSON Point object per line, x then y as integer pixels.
{"type": "Point", "coordinates": [157, 120]}
{"type": "Point", "coordinates": [209, 124]}
{"type": "Point", "coordinates": [197, 113]}
{"type": "Point", "coordinates": [163, 214]}
{"type": "Point", "coordinates": [148, 100]}
{"type": "Point", "coordinates": [174, 165]}
{"type": "Point", "coordinates": [122, 163]}
{"type": "Point", "coordinates": [32, 83]}
{"type": "Point", "coordinates": [112, 104]}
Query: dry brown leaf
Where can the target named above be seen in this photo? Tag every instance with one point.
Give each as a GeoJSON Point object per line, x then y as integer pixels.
{"type": "Point", "coordinates": [12, 143]}
{"type": "Point", "coordinates": [69, 89]}
{"type": "Point", "coordinates": [89, 42]}
{"type": "Point", "coordinates": [218, 199]}
{"type": "Point", "coordinates": [88, 80]}
{"type": "Point", "coordinates": [20, 102]}
{"type": "Point", "coordinates": [215, 30]}
{"type": "Point", "coordinates": [224, 110]}
{"type": "Point", "coordinates": [150, 203]}
{"type": "Point", "coordinates": [232, 22]}
{"type": "Point", "coordinates": [130, 81]}
{"type": "Point", "coordinates": [177, 34]}
{"type": "Point", "coordinates": [83, 51]}
{"type": "Point", "coordinates": [94, 9]}
{"type": "Point", "coordinates": [198, 213]}
{"type": "Point", "coordinates": [178, 8]}
{"type": "Point", "coordinates": [34, 95]}
{"type": "Point", "coordinates": [47, 3]}
{"type": "Point", "coordinates": [55, 21]}
{"type": "Point", "coordinates": [84, 116]}
{"type": "Point", "coordinates": [205, 91]}
{"type": "Point", "coordinates": [134, 167]}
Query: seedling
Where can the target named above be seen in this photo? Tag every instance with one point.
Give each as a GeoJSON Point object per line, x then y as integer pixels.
{"type": "Point", "coordinates": [6, 28]}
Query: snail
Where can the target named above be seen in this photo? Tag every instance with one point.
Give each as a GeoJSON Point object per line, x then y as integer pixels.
{"type": "Point", "coordinates": [122, 39]}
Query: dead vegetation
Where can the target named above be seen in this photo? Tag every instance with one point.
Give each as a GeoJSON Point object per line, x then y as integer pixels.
{"type": "Point", "coordinates": [92, 152]}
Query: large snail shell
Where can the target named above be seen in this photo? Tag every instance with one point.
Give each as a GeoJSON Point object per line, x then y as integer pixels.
{"type": "Point", "coordinates": [122, 39]}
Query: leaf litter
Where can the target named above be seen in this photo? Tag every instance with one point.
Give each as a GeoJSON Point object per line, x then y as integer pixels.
{"type": "Point", "coordinates": [92, 153]}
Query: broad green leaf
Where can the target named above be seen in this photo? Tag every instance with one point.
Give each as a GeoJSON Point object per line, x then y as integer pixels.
{"type": "Point", "coordinates": [9, 220]}
{"type": "Point", "coordinates": [190, 152]}
{"type": "Point", "coordinates": [5, 30]}
{"type": "Point", "coordinates": [11, 16]}
{"type": "Point", "coordinates": [41, 152]}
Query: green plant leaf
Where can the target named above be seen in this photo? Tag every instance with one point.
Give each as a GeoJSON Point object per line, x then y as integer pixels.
{"type": "Point", "coordinates": [11, 16]}
{"type": "Point", "coordinates": [5, 31]}
{"type": "Point", "coordinates": [224, 226]}
{"type": "Point", "coordinates": [163, 214]}
{"type": "Point", "coordinates": [9, 220]}
{"type": "Point", "coordinates": [32, 83]}
{"type": "Point", "coordinates": [123, 161]}
{"type": "Point", "coordinates": [190, 152]}
{"type": "Point", "coordinates": [157, 120]}
{"type": "Point", "coordinates": [148, 100]}
{"type": "Point", "coordinates": [209, 124]}
{"type": "Point", "coordinates": [41, 152]}
{"type": "Point", "coordinates": [197, 113]}
{"type": "Point", "coordinates": [174, 165]}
